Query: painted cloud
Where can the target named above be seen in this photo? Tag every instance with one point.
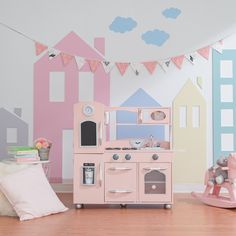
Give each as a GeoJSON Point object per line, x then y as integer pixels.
{"type": "Point", "coordinates": [155, 37]}
{"type": "Point", "coordinates": [171, 12]}
{"type": "Point", "coordinates": [122, 24]}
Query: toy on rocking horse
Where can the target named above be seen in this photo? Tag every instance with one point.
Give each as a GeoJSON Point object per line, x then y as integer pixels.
{"type": "Point", "coordinates": [222, 175]}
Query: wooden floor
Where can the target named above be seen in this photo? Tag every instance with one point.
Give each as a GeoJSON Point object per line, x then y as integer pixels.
{"type": "Point", "coordinates": [187, 217]}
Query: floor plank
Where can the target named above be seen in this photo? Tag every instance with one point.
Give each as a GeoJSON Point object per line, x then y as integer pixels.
{"type": "Point", "coordinates": [187, 217]}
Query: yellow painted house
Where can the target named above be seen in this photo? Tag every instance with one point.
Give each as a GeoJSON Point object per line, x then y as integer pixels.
{"type": "Point", "coordinates": [189, 135]}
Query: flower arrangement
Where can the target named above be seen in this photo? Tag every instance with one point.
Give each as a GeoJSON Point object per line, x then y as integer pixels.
{"type": "Point", "coordinates": [42, 143]}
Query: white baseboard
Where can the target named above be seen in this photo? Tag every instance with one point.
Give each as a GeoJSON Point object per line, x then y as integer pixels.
{"type": "Point", "coordinates": [67, 187]}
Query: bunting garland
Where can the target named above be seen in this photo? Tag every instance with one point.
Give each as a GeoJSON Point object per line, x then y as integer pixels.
{"type": "Point", "coordinates": [178, 61]}
{"type": "Point", "coordinates": [122, 67]}
{"type": "Point", "coordinates": [150, 66]}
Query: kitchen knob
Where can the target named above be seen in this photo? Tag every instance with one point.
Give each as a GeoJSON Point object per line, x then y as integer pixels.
{"type": "Point", "coordinates": [115, 157]}
{"type": "Point", "coordinates": [155, 156]}
{"type": "Point", "coordinates": [127, 157]}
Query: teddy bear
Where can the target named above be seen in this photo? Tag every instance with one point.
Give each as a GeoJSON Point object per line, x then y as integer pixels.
{"type": "Point", "coordinates": [217, 173]}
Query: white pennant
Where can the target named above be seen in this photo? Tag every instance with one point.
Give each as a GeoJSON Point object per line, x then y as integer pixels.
{"type": "Point", "coordinates": [52, 52]}
{"type": "Point", "coordinates": [80, 62]}
{"type": "Point", "coordinates": [191, 57]}
{"type": "Point", "coordinates": [165, 65]}
{"type": "Point", "coordinates": [136, 67]}
{"type": "Point", "coordinates": [218, 47]}
{"type": "Point", "coordinates": [108, 66]}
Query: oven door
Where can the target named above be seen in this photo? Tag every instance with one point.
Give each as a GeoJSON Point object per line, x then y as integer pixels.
{"type": "Point", "coordinates": [155, 182]}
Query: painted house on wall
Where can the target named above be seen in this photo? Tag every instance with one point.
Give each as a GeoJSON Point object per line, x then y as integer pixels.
{"type": "Point", "coordinates": [13, 130]}
{"type": "Point", "coordinates": [58, 86]}
{"type": "Point", "coordinates": [189, 135]}
{"type": "Point", "coordinates": [139, 99]}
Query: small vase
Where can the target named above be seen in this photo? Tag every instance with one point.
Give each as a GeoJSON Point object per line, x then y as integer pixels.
{"type": "Point", "coordinates": [44, 154]}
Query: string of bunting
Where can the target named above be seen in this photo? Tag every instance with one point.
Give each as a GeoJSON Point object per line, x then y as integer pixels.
{"type": "Point", "coordinates": [122, 66]}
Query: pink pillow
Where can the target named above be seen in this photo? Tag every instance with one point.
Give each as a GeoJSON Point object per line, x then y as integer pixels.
{"type": "Point", "coordinates": [30, 193]}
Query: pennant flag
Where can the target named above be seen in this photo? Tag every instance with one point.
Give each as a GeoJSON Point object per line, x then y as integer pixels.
{"type": "Point", "coordinates": [80, 62]}
{"type": "Point", "coordinates": [165, 65]}
{"type": "Point", "coordinates": [107, 66]}
{"type": "Point", "coordinates": [53, 53]}
{"type": "Point", "coordinates": [204, 52]}
{"type": "Point", "coordinates": [93, 64]}
{"type": "Point", "coordinates": [178, 61]}
{"type": "Point", "coordinates": [218, 47]}
{"type": "Point", "coordinates": [191, 57]}
{"type": "Point", "coordinates": [136, 66]}
{"type": "Point", "coordinates": [150, 66]}
{"type": "Point", "coordinates": [122, 67]}
{"type": "Point", "coordinates": [66, 58]}
{"type": "Point", "coordinates": [39, 48]}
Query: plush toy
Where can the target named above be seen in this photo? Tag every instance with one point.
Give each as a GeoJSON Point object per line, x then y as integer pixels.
{"type": "Point", "coordinates": [217, 173]}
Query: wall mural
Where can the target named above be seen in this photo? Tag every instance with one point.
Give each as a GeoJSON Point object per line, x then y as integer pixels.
{"type": "Point", "coordinates": [171, 13]}
{"type": "Point", "coordinates": [224, 108]}
{"type": "Point", "coordinates": [155, 37]}
{"type": "Point", "coordinates": [139, 99]}
{"type": "Point", "coordinates": [13, 130]}
{"type": "Point", "coordinates": [122, 24]}
{"type": "Point", "coordinates": [51, 117]}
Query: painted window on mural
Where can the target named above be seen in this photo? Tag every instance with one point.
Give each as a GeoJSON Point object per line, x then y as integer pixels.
{"type": "Point", "coordinates": [57, 87]}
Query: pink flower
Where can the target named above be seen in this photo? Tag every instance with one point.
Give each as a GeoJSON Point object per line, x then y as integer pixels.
{"type": "Point", "coordinates": [42, 143]}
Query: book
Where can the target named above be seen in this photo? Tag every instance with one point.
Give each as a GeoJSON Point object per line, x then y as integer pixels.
{"type": "Point", "coordinates": [17, 150]}
{"type": "Point", "coordinates": [29, 155]}
{"type": "Point", "coordinates": [29, 152]}
{"type": "Point", "coordinates": [25, 160]}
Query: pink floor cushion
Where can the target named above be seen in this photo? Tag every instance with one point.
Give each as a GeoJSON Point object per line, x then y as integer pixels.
{"type": "Point", "coordinates": [30, 193]}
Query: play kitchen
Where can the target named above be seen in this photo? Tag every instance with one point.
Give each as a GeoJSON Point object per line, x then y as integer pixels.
{"type": "Point", "coordinates": [129, 170]}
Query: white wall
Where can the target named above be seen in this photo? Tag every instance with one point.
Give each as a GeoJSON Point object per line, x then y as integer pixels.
{"type": "Point", "coordinates": [49, 21]}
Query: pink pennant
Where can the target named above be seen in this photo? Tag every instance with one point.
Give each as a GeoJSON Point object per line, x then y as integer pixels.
{"type": "Point", "coordinates": [39, 48]}
{"type": "Point", "coordinates": [93, 64]}
{"type": "Point", "coordinates": [178, 61]}
{"type": "Point", "coordinates": [204, 52]}
{"type": "Point", "coordinates": [66, 58]}
{"type": "Point", "coordinates": [150, 66]}
{"type": "Point", "coordinates": [122, 67]}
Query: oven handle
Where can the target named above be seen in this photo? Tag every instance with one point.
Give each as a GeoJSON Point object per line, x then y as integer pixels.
{"type": "Point", "coordinates": [120, 168]}
{"type": "Point", "coordinates": [120, 191]}
{"type": "Point", "coordinates": [153, 168]}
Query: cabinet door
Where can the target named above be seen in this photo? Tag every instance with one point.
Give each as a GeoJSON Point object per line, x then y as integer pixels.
{"type": "Point", "coordinates": [88, 179]}
{"type": "Point", "coordinates": [155, 183]}
{"type": "Point", "coordinates": [120, 182]}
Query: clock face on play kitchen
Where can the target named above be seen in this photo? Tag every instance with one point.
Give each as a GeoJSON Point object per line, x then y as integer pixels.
{"type": "Point", "coordinates": [88, 110]}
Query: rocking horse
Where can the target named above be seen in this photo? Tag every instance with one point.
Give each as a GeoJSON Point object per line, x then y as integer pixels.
{"type": "Point", "coordinates": [214, 183]}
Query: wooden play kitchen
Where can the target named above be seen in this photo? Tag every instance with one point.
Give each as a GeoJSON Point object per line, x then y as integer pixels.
{"type": "Point", "coordinates": [126, 171]}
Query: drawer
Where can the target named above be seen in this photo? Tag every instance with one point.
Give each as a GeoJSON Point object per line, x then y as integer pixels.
{"type": "Point", "coordinates": [120, 182]}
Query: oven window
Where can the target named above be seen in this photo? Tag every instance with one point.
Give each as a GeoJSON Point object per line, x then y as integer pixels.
{"type": "Point", "coordinates": [88, 133]}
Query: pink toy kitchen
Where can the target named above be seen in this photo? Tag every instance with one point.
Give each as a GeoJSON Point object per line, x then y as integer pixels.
{"type": "Point", "coordinates": [108, 170]}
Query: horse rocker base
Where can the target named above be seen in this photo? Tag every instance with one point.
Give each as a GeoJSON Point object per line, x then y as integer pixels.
{"type": "Point", "coordinates": [212, 195]}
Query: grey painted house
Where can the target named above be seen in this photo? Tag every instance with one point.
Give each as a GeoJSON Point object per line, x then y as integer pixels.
{"type": "Point", "coordinates": [13, 130]}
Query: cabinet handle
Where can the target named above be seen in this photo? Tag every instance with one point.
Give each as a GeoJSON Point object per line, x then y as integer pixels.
{"type": "Point", "coordinates": [120, 191]}
{"type": "Point", "coordinates": [153, 168]}
{"type": "Point", "coordinates": [100, 133]}
{"type": "Point", "coordinates": [120, 168]}
{"type": "Point", "coordinates": [100, 174]}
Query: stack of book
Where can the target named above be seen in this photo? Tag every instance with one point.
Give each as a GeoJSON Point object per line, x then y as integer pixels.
{"type": "Point", "coordinates": [23, 153]}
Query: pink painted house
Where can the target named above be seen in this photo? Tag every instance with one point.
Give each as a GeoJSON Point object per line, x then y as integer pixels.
{"type": "Point", "coordinates": [51, 118]}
